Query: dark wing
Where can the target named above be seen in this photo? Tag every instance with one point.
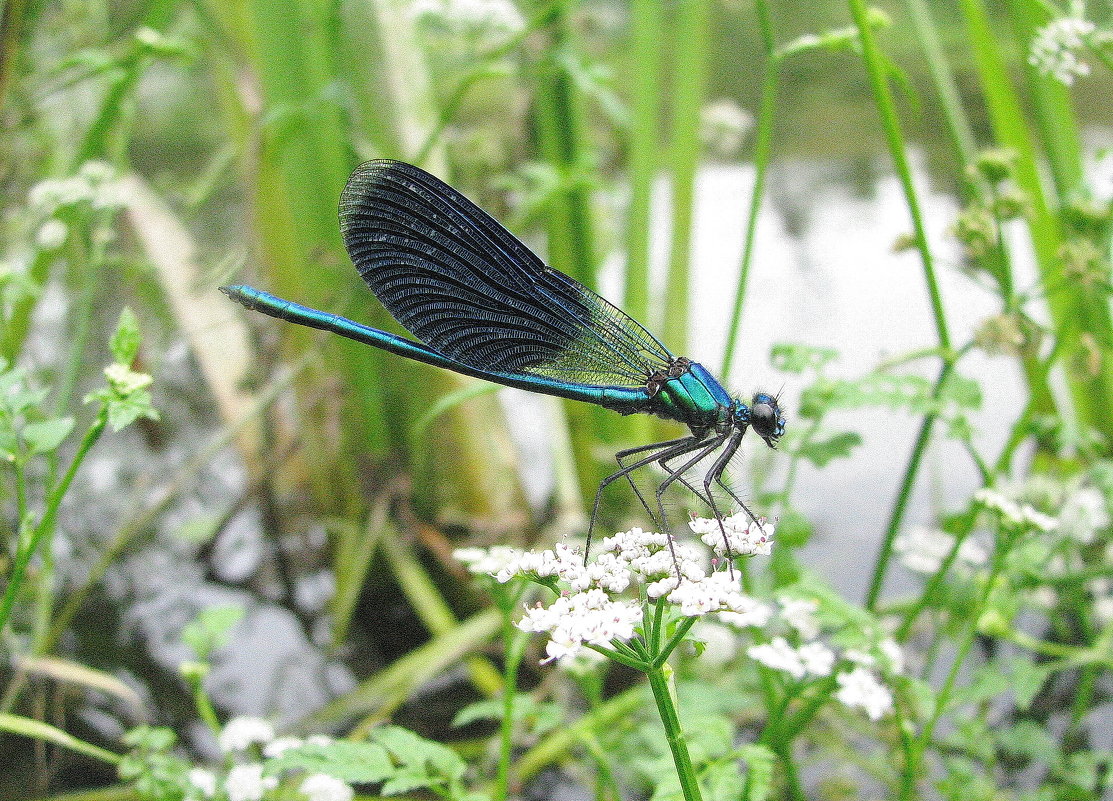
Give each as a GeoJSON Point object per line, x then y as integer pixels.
{"type": "Point", "coordinates": [466, 287]}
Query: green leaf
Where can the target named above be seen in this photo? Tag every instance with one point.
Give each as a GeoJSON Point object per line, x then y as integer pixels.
{"type": "Point", "coordinates": [837, 446]}
{"type": "Point", "coordinates": [797, 358]}
{"type": "Point", "coordinates": [45, 436]}
{"type": "Point", "coordinates": [1027, 679]}
{"type": "Point", "coordinates": [348, 761]}
{"type": "Point", "coordinates": [122, 412]}
{"type": "Point", "coordinates": [211, 629]}
{"type": "Point", "coordinates": [1029, 739]}
{"type": "Point", "coordinates": [411, 749]}
{"type": "Point", "coordinates": [125, 342]}
{"type": "Point", "coordinates": [760, 762]}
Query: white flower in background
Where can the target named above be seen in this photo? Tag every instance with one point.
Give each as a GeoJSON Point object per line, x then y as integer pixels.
{"type": "Point", "coordinates": [1054, 49]}
{"type": "Point", "coordinates": [723, 126]}
{"type": "Point", "coordinates": [277, 748]}
{"type": "Point", "coordinates": [470, 15]}
{"type": "Point", "coordinates": [778, 655]}
{"type": "Point", "coordinates": [95, 182]}
{"type": "Point", "coordinates": [319, 740]}
{"type": "Point", "coordinates": [241, 733]}
{"type": "Point", "coordinates": [749, 612]}
{"type": "Point", "coordinates": [1103, 609]}
{"type": "Point", "coordinates": [922, 550]}
{"type": "Point", "coordinates": [1084, 513]}
{"type": "Point", "coordinates": [51, 234]}
{"type": "Point", "coordinates": [247, 783]}
{"type": "Point", "coordinates": [860, 689]}
{"type": "Point", "coordinates": [817, 658]}
{"type": "Point", "coordinates": [1013, 513]}
{"type": "Point", "coordinates": [800, 614]}
{"type": "Point", "coordinates": [204, 781]}
{"type": "Point", "coordinates": [893, 653]}
{"type": "Point", "coordinates": [487, 561]}
{"type": "Point", "coordinates": [1038, 519]}
{"type": "Point", "coordinates": [744, 537]}
{"type": "Point", "coordinates": [319, 787]}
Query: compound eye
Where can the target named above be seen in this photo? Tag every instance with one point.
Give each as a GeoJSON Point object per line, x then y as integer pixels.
{"type": "Point", "coordinates": [763, 419]}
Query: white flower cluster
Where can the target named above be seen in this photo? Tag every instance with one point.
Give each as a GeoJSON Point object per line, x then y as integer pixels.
{"type": "Point", "coordinates": [738, 535]}
{"type": "Point", "coordinates": [859, 684]}
{"type": "Point", "coordinates": [1055, 45]}
{"type": "Point", "coordinates": [246, 781]}
{"type": "Point", "coordinates": [587, 615]}
{"type": "Point", "coordinates": [582, 619]}
{"type": "Point", "coordinates": [1013, 513]}
{"type": "Point", "coordinates": [922, 550]}
{"type": "Point", "coordinates": [95, 183]}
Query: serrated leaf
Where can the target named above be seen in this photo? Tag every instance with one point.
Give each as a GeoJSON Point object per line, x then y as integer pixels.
{"type": "Point", "coordinates": [760, 763]}
{"type": "Point", "coordinates": [45, 436]}
{"type": "Point", "coordinates": [407, 781]}
{"type": "Point", "coordinates": [344, 760]}
{"type": "Point", "coordinates": [125, 341]}
{"type": "Point", "coordinates": [837, 446]}
{"type": "Point", "coordinates": [411, 749]}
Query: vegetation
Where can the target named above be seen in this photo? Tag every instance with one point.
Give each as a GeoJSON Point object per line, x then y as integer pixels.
{"type": "Point", "coordinates": [182, 506]}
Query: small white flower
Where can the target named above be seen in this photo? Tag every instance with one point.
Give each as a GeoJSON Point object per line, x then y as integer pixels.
{"type": "Point", "coordinates": [723, 126]}
{"type": "Point", "coordinates": [247, 783]}
{"type": "Point", "coordinates": [51, 234]}
{"type": "Point", "coordinates": [993, 500]}
{"type": "Point", "coordinates": [319, 787]}
{"type": "Point", "coordinates": [276, 748]}
{"type": "Point", "coordinates": [204, 781]}
{"type": "Point", "coordinates": [893, 653]}
{"type": "Point", "coordinates": [1103, 609]}
{"type": "Point", "coordinates": [737, 535]}
{"type": "Point", "coordinates": [494, 15]}
{"type": "Point", "coordinates": [817, 658]}
{"type": "Point", "coordinates": [1084, 513]}
{"type": "Point", "coordinates": [488, 561]}
{"type": "Point", "coordinates": [860, 688]}
{"type": "Point", "coordinates": [1054, 50]}
{"type": "Point", "coordinates": [922, 550]}
{"type": "Point", "coordinates": [778, 655]}
{"type": "Point", "coordinates": [584, 618]}
{"type": "Point", "coordinates": [1038, 519]}
{"type": "Point", "coordinates": [800, 614]}
{"type": "Point", "coordinates": [319, 740]}
{"type": "Point", "coordinates": [240, 733]}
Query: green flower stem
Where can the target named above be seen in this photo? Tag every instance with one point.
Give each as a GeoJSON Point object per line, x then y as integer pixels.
{"type": "Point", "coordinates": [673, 733]}
{"type": "Point", "coordinates": [681, 631]}
{"type": "Point", "coordinates": [876, 70]}
{"type": "Point", "coordinates": [763, 149]}
{"type": "Point", "coordinates": [516, 640]}
{"type": "Point", "coordinates": [50, 515]}
{"type": "Point", "coordinates": [904, 493]}
{"type": "Point", "coordinates": [931, 591]}
{"type": "Point", "coordinates": [915, 753]}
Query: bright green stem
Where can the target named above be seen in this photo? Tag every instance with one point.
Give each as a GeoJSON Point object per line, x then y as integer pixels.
{"type": "Point", "coordinates": [690, 53]}
{"type": "Point", "coordinates": [763, 150]}
{"type": "Point", "coordinates": [904, 493]}
{"type": "Point", "coordinates": [915, 753]}
{"type": "Point", "coordinates": [673, 733]}
{"type": "Point", "coordinates": [876, 70]}
{"type": "Point", "coordinates": [516, 646]}
{"type": "Point", "coordinates": [50, 515]}
{"type": "Point", "coordinates": [646, 27]}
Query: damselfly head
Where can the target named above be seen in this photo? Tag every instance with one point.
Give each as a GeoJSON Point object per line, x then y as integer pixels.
{"type": "Point", "coordinates": [766, 418]}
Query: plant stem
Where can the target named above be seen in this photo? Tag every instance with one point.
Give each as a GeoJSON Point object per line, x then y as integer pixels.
{"type": "Point", "coordinates": [50, 514]}
{"type": "Point", "coordinates": [763, 149]}
{"type": "Point", "coordinates": [516, 646]}
{"type": "Point", "coordinates": [673, 733]}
